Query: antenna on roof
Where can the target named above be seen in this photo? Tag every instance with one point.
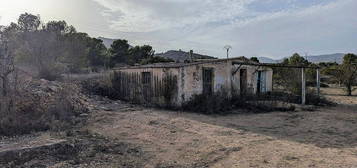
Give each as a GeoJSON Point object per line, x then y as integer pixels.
{"type": "Point", "coordinates": [228, 47]}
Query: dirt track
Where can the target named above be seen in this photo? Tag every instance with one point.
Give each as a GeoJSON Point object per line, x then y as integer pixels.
{"type": "Point", "coordinates": [323, 138]}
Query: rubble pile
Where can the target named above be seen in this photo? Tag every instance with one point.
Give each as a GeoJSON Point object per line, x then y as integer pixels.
{"type": "Point", "coordinates": [53, 92]}
{"type": "Point", "coordinates": [40, 105]}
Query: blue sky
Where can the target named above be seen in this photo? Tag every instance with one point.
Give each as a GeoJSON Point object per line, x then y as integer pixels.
{"type": "Point", "coordinates": [270, 28]}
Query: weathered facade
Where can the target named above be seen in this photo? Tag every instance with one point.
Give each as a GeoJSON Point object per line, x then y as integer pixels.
{"type": "Point", "coordinates": [176, 83]}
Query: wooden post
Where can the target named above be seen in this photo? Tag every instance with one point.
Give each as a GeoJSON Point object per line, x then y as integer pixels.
{"type": "Point", "coordinates": [229, 79]}
{"type": "Point", "coordinates": [318, 81]}
{"type": "Point", "coordinates": [303, 95]}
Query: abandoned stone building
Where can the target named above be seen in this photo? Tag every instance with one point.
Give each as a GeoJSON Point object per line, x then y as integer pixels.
{"type": "Point", "coordinates": [175, 83]}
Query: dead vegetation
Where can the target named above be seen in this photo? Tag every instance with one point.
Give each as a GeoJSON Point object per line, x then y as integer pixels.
{"type": "Point", "coordinates": [118, 134]}
{"type": "Point", "coordinates": [219, 103]}
{"type": "Point", "coordinates": [81, 149]}
{"type": "Point", "coordinates": [41, 105]}
{"type": "Point", "coordinates": [323, 138]}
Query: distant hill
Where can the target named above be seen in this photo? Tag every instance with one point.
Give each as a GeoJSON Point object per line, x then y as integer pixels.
{"type": "Point", "coordinates": [338, 57]}
{"type": "Point", "coordinates": [181, 56]}
{"type": "Point", "coordinates": [107, 41]}
{"type": "Point", "coordinates": [267, 60]}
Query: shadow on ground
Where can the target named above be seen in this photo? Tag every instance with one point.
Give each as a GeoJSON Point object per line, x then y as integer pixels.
{"type": "Point", "coordinates": [333, 127]}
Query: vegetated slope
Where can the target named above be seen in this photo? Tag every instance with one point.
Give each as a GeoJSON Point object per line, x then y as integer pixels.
{"type": "Point", "coordinates": [181, 56]}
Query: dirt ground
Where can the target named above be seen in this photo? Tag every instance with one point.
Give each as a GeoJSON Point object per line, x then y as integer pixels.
{"type": "Point", "coordinates": [119, 134]}
{"type": "Point", "coordinates": [338, 95]}
{"type": "Point", "coordinates": [323, 138]}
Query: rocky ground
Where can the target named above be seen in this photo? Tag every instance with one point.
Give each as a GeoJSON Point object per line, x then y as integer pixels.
{"type": "Point", "coordinates": [118, 134]}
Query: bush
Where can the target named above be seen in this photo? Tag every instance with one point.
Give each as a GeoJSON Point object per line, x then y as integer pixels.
{"type": "Point", "coordinates": [217, 103]}
{"type": "Point", "coordinates": [100, 87]}
{"type": "Point", "coordinates": [50, 73]}
{"type": "Point", "coordinates": [313, 99]}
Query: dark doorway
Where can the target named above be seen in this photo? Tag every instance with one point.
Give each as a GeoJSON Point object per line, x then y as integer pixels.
{"type": "Point", "coordinates": [207, 74]}
{"type": "Point", "coordinates": [259, 82]}
{"type": "Point", "coordinates": [243, 81]}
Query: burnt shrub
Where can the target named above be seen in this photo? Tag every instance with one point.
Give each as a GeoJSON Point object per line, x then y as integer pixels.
{"type": "Point", "coordinates": [217, 103]}
{"type": "Point", "coordinates": [314, 99]}
{"type": "Point", "coordinates": [101, 87]}
{"type": "Point", "coordinates": [264, 102]}
{"type": "Point", "coordinates": [50, 73]}
{"type": "Point", "coordinates": [220, 103]}
{"type": "Point", "coordinates": [311, 98]}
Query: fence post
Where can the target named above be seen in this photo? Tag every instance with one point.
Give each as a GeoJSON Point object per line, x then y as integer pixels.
{"type": "Point", "coordinates": [318, 81]}
{"type": "Point", "coordinates": [303, 78]}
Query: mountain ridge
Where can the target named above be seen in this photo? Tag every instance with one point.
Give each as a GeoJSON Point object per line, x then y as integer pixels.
{"type": "Point", "coordinates": [336, 57]}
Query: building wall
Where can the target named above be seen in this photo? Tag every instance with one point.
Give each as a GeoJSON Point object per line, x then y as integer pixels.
{"type": "Point", "coordinates": [157, 80]}
{"type": "Point", "coordinates": [190, 79]}
{"type": "Point", "coordinates": [191, 82]}
{"type": "Point", "coordinates": [252, 72]}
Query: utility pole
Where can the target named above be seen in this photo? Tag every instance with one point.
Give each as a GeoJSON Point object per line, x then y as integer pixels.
{"type": "Point", "coordinates": [303, 83]}
{"type": "Point", "coordinates": [318, 78]}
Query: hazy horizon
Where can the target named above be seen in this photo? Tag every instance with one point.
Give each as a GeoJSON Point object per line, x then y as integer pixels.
{"type": "Point", "coordinates": [271, 28]}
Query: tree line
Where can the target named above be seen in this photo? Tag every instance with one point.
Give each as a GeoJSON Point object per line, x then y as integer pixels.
{"type": "Point", "coordinates": [344, 74]}
{"type": "Point", "coordinates": [55, 47]}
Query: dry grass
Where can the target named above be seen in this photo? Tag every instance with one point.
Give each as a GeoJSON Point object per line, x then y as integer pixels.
{"type": "Point", "coordinates": [323, 138]}
{"type": "Point", "coordinates": [162, 139]}
{"type": "Point", "coordinates": [339, 96]}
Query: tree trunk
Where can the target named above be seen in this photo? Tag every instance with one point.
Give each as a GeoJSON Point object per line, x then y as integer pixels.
{"type": "Point", "coordinates": [4, 86]}
{"type": "Point", "coordinates": [349, 89]}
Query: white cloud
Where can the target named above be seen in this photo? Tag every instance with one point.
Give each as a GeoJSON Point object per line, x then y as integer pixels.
{"type": "Point", "coordinates": [317, 29]}
{"type": "Point", "coordinates": [152, 15]}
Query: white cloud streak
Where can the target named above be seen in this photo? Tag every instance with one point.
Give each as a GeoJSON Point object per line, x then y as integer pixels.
{"type": "Point", "coordinates": [153, 15]}
{"type": "Point", "coordinates": [207, 26]}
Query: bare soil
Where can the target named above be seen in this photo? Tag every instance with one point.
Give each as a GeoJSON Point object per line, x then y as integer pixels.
{"type": "Point", "coordinates": [338, 95]}
{"type": "Point", "coordinates": [119, 134]}
{"type": "Point", "coordinates": [323, 138]}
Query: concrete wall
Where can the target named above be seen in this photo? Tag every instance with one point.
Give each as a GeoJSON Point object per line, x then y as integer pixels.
{"type": "Point", "coordinates": [190, 80]}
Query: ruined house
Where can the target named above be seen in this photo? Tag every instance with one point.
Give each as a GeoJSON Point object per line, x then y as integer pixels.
{"type": "Point", "coordinates": [175, 83]}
